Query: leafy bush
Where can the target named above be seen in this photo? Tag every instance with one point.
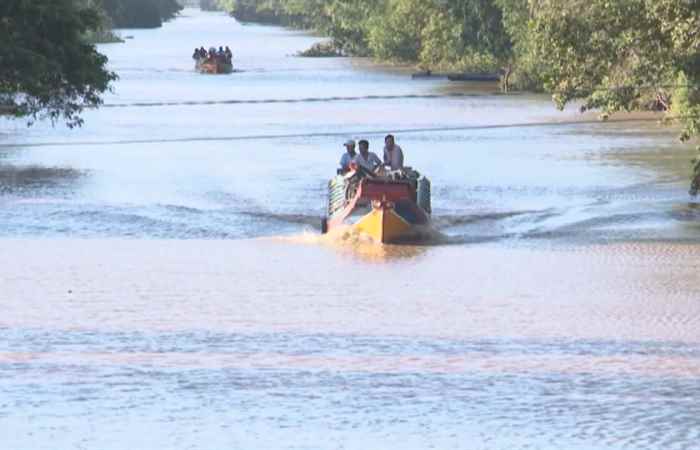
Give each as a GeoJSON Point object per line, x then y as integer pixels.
{"type": "Point", "coordinates": [47, 70]}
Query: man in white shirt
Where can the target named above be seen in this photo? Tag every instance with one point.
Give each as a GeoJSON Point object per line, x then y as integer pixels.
{"type": "Point", "coordinates": [348, 156]}
{"type": "Point", "coordinates": [366, 159]}
{"type": "Point", "coordinates": [393, 154]}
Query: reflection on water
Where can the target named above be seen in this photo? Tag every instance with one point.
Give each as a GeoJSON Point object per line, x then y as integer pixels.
{"type": "Point", "coordinates": [545, 308]}
{"type": "Point", "coordinates": [21, 179]}
{"type": "Point", "coordinates": [689, 212]}
{"type": "Point", "coordinates": [277, 344]}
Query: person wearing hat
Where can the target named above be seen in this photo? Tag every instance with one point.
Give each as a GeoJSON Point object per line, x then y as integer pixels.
{"type": "Point", "coordinates": [348, 156]}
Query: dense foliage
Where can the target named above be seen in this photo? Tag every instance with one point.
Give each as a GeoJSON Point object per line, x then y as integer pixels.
{"type": "Point", "coordinates": [209, 5]}
{"type": "Point", "coordinates": [437, 34]}
{"type": "Point", "coordinates": [623, 55]}
{"type": "Point", "coordinates": [140, 13]}
{"type": "Point", "coordinates": [47, 70]}
{"type": "Point", "coordinates": [611, 55]}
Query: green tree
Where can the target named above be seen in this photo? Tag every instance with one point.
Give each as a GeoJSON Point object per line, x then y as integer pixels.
{"type": "Point", "coordinates": [209, 5]}
{"type": "Point", "coordinates": [47, 71]}
{"type": "Point", "coordinates": [397, 33]}
{"type": "Point", "coordinates": [140, 13]}
{"type": "Point", "coordinates": [437, 34]}
{"type": "Point", "coordinates": [621, 55]}
{"type": "Point", "coordinates": [467, 35]}
{"type": "Point", "coordinates": [523, 67]}
{"type": "Point", "coordinates": [350, 23]}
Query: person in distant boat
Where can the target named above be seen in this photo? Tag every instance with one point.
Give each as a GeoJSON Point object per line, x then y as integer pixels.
{"type": "Point", "coordinates": [229, 54]}
{"type": "Point", "coordinates": [393, 154]}
{"type": "Point", "coordinates": [202, 52]}
{"type": "Point", "coordinates": [348, 156]}
{"type": "Point", "coordinates": [366, 159]}
{"type": "Point", "coordinates": [196, 54]}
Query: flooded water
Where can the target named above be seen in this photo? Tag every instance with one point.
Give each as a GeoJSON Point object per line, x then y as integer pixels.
{"type": "Point", "coordinates": [163, 283]}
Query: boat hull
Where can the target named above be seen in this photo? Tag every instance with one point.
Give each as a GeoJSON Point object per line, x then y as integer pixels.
{"type": "Point", "coordinates": [384, 225]}
{"type": "Point", "coordinates": [387, 212]}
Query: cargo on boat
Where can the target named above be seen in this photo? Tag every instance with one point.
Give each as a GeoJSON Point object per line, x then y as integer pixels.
{"type": "Point", "coordinates": [390, 207]}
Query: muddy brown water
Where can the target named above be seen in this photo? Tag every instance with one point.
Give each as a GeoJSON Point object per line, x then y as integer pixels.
{"type": "Point", "coordinates": [163, 283]}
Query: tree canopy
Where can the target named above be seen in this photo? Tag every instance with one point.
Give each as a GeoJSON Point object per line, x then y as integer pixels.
{"type": "Point", "coordinates": [456, 34]}
{"type": "Point", "coordinates": [610, 55]}
{"type": "Point", "coordinates": [47, 71]}
{"type": "Point", "coordinates": [140, 13]}
{"type": "Point", "coordinates": [622, 55]}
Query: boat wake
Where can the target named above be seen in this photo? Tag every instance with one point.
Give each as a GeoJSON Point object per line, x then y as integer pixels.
{"type": "Point", "coordinates": [348, 241]}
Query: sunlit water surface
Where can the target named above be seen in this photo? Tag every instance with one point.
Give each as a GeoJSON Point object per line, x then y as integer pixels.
{"type": "Point", "coordinates": [554, 308]}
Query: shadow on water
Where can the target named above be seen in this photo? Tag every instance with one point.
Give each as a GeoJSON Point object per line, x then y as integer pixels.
{"type": "Point", "coordinates": [686, 212]}
{"type": "Point", "coordinates": [688, 216]}
{"type": "Point", "coordinates": [21, 180]}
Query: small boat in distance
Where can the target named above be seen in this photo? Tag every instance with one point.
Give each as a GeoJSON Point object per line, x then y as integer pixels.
{"type": "Point", "coordinates": [213, 62]}
{"type": "Point", "coordinates": [213, 66]}
{"type": "Point", "coordinates": [390, 207]}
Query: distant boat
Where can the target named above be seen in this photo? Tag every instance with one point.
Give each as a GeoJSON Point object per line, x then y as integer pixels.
{"type": "Point", "coordinates": [213, 66]}
{"type": "Point", "coordinates": [388, 208]}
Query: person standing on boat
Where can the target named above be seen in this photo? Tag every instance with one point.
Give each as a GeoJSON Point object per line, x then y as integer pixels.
{"type": "Point", "coordinates": [229, 55]}
{"type": "Point", "coordinates": [366, 159]}
{"type": "Point", "coordinates": [393, 154]}
{"type": "Point", "coordinates": [348, 156]}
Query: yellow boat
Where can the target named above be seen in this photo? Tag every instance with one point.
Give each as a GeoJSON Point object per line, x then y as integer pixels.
{"type": "Point", "coordinates": [388, 208]}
